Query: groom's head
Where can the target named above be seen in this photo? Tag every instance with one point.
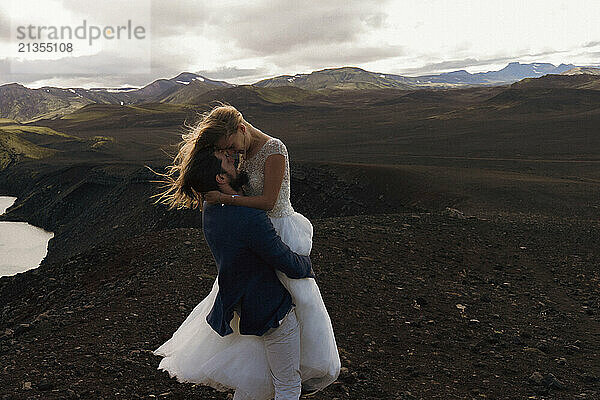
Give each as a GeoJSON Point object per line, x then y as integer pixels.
{"type": "Point", "coordinates": [215, 170]}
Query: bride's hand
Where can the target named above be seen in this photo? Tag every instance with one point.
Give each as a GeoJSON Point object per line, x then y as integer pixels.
{"type": "Point", "coordinates": [213, 197]}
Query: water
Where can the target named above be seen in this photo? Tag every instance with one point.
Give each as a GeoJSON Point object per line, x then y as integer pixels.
{"type": "Point", "coordinates": [22, 246]}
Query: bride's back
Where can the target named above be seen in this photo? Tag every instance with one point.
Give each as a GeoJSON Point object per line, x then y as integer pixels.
{"type": "Point", "coordinates": [255, 168]}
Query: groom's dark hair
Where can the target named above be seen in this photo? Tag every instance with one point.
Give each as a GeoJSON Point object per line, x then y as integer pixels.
{"type": "Point", "coordinates": [203, 169]}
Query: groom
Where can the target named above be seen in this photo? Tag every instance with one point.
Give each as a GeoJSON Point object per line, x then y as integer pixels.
{"type": "Point", "coordinates": [247, 250]}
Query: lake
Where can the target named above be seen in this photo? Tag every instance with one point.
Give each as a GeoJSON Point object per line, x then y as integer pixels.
{"type": "Point", "coordinates": [22, 246]}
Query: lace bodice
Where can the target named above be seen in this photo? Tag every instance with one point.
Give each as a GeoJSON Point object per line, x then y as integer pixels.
{"type": "Point", "coordinates": [255, 168]}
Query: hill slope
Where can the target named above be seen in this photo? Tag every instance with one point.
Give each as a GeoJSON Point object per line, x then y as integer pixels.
{"type": "Point", "coordinates": [582, 70]}
{"type": "Point", "coordinates": [336, 78]}
{"type": "Point", "coordinates": [572, 81]}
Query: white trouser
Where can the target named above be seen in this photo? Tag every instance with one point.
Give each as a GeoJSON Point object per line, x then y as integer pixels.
{"type": "Point", "coordinates": [283, 355]}
{"type": "Point", "coordinates": [282, 345]}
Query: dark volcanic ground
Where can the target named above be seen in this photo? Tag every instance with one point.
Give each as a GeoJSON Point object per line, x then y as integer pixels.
{"type": "Point", "coordinates": [424, 306]}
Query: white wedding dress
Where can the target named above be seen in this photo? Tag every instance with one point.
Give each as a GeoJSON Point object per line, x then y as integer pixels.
{"type": "Point", "coordinates": [195, 353]}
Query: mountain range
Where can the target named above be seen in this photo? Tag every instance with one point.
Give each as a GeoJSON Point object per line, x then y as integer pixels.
{"type": "Point", "coordinates": [23, 104]}
{"type": "Point", "coordinates": [351, 77]}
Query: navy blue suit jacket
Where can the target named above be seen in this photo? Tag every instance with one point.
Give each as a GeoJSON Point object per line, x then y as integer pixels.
{"type": "Point", "coordinates": [247, 250]}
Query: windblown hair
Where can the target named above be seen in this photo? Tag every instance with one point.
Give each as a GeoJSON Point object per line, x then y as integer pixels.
{"type": "Point", "coordinates": [186, 177]}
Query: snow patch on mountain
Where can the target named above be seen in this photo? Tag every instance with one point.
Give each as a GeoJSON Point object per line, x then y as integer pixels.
{"type": "Point", "coordinates": [117, 90]}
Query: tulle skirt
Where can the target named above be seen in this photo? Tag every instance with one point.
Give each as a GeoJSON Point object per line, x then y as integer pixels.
{"type": "Point", "coordinates": [195, 353]}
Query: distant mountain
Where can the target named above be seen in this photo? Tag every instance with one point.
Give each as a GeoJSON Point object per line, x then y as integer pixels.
{"type": "Point", "coordinates": [25, 104]}
{"type": "Point", "coordinates": [516, 71]}
{"type": "Point", "coordinates": [178, 89]}
{"type": "Point", "coordinates": [460, 77]}
{"type": "Point", "coordinates": [582, 70]}
{"type": "Point", "coordinates": [21, 103]}
{"type": "Point", "coordinates": [338, 78]}
{"type": "Point", "coordinates": [513, 72]}
{"type": "Point", "coordinates": [356, 78]}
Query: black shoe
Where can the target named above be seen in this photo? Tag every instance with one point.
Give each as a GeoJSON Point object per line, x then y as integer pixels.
{"type": "Point", "coordinates": [308, 391]}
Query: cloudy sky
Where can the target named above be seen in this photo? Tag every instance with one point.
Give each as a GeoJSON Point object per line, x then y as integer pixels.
{"type": "Point", "coordinates": [243, 42]}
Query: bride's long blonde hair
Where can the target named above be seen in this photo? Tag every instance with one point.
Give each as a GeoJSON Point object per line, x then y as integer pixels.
{"type": "Point", "coordinates": [183, 175]}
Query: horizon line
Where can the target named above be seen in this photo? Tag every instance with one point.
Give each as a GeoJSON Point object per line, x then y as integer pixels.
{"type": "Point", "coordinates": [316, 70]}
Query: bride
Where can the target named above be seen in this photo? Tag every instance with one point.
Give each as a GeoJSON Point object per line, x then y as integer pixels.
{"type": "Point", "coordinates": [196, 353]}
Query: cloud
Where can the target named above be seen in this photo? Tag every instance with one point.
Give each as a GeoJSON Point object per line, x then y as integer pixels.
{"type": "Point", "coordinates": [108, 81]}
{"type": "Point", "coordinates": [449, 64]}
{"type": "Point", "coordinates": [270, 27]}
{"type": "Point", "coordinates": [4, 27]}
{"type": "Point", "coordinates": [266, 36]}
{"type": "Point", "coordinates": [474, 62]}
{"type": "Point", "coordinates": [375, 20]}
{"type": "Point", "coordinates": [239, 41]}
{"type": "Point", "coordinates": [98, 67]}
{"type": "Point", "coordinates": [180, 18]}
{"type": "Point", "coordinates": [591, 44]}
{"type": "Point", "coordinates": [231, 72]}
{"type": "Point", "coordinates": [453, 65]}
{"type": "Point", "coordinates": [108, 63]}
{"type": "Point", "coordinates": [166, 18]}
{"type": "Point", "coordinates": [334, 55]}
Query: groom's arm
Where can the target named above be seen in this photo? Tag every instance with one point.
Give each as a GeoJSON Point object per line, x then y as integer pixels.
{"type": "Point", "coordinates": [263, 240]}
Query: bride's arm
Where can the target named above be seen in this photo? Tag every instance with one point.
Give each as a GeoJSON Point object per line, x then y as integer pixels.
{"type": "Point", "coordinates": [274, 172]}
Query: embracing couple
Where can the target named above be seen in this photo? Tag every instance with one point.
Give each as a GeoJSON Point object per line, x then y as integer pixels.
{"type": "Point", "coordinates": [263, 330]}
